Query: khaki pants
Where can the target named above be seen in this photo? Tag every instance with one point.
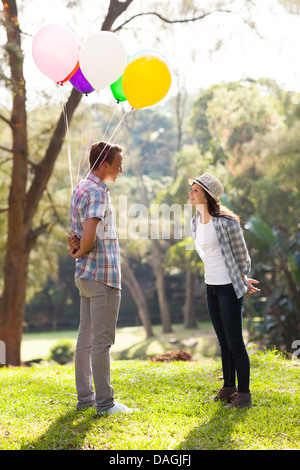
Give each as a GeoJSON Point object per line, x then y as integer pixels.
{"type": "Point", "coordinates": [99, 310]}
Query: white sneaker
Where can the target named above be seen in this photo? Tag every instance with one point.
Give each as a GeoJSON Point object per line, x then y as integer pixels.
{"type": "Point", "coordinates": [117, 408]}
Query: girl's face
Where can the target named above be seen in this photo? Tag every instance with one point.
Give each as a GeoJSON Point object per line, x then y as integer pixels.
{"type": "Point", "coordinates": [197, 195]}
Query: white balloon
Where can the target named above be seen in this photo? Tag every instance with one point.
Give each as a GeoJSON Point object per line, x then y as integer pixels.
{"type": "Point", "coordinates": [102, 59]}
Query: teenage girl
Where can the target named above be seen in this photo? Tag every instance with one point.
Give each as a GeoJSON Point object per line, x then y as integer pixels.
{"type": "Point", "coordinates": [220, 243]}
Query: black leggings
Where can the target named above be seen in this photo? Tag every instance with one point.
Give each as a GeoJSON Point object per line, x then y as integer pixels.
{"type": "Point", "coordinates": [225, 311]}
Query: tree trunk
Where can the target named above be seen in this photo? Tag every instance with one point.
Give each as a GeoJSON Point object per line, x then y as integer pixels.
{"type": "Point", "coordinates": [189, 306]}
{"type": "Point", "coordinates": [157, 258]}
{"type": "Point", "coordinates": [16, 258]}
{"type": "Point", "coordinates": [157, 265]}
{"type": "Point", "coordinates": [138, 296]}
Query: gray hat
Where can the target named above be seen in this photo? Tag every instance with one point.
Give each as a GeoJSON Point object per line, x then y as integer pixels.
{"type": "Point", "coordinates": [210, 184]}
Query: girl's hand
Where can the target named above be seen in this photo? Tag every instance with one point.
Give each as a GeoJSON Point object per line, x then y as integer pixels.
{"type": "Point", "coordinates": [251, 288]}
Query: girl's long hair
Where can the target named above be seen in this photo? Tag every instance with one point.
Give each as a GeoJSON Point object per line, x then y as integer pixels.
{"type": "Point", "coordinates": [216, 209]}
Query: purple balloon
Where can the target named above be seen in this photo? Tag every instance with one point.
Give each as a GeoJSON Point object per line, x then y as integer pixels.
{"type": "Point", "coordinates": [81, 84]}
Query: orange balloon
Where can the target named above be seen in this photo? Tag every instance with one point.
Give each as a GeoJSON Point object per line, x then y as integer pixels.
{"type": "Point", "coordinates": [71, 74]}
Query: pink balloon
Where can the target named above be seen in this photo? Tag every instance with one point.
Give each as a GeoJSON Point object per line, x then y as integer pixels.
{"type": "Point", "coordinates": [55, 51]}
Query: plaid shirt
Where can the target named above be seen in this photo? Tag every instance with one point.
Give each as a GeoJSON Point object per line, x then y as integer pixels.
{"type": "Point", "coordinates": [91, 199]}
{"type": "Point", "coordinates": [233, 248]}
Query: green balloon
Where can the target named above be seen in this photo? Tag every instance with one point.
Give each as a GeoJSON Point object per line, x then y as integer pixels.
{"type": "Point", "coordinates": [117, 90]}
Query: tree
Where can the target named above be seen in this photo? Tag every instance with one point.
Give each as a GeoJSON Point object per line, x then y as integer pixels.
{"type": "Point", "coordinates": [187, 260]}
{"type": "Point", "coordinates": [157, 255]}
{"type": "Point", "coordinates": [138, 295]}
{"type": "Point", "coordinates": [277, 265]}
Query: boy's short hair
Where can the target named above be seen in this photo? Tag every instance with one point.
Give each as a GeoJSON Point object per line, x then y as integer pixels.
{"type": "Point", "coordinates": [103, 151]}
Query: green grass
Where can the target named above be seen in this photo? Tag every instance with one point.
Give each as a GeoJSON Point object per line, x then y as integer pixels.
{"type": "Point", "coordinates": [177, 411]}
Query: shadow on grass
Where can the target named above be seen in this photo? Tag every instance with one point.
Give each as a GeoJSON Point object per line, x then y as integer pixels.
{"type": "Point", "coordinates": [68, 432]}
{"type": "Point", "coordinates": [147, 348]}
{"type": "Point", "coordinates": [217, 432]}
{"type": "Point", "coordinates": [138, 350]}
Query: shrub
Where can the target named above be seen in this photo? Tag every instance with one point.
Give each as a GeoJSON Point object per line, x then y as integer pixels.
{"type": "Point", "coordinates": [62, 352]}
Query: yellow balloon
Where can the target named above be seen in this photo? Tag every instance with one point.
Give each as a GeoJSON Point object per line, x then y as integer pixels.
{"type": "Point", "coordinates": [146, 81]}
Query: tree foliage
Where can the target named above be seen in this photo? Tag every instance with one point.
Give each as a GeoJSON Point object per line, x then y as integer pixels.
{"type": "Point", "coordinates": [247, 133]}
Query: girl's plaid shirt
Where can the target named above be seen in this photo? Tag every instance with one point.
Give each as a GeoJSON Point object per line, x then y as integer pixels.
{"type": "Point", "coordinates": [233, 248]}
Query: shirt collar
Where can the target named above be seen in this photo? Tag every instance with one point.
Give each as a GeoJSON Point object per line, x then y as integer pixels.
{"type": "Point", "coordinates": [98, 181]}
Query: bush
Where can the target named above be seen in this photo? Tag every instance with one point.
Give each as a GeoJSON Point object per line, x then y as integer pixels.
{"type": "Point", "coordinates": [62, 352]}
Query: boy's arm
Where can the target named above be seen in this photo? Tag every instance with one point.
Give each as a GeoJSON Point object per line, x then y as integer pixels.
{"type": "Point", "coordinates": [87, 240]}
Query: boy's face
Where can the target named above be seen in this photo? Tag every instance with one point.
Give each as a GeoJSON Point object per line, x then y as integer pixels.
{"type": "Point", "coordinates": [112, 171]}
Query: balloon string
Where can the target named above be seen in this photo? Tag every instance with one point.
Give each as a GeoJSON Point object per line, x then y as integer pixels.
{"type": "Point", "coordinates": [124, 121]}
{"type": "Point", "coordinates": [115, 134]}
{"type": "Point", "coordinates": [64, 111]}
{"type": "Point", "coordinates": [82, 134]}
{"type": "Point", "coordinates": [92, 127]}
{"type": "Point", "coordinates": [113, 141]}
{"type": "Point", "coordinates": [108, 125]}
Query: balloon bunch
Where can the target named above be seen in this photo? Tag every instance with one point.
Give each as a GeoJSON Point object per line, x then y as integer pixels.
{"type": "Point", "coordinates": [143, 79]}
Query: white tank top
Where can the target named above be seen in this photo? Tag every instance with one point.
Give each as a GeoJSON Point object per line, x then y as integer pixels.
{"type": "Point", "coordinates": [208, 248]}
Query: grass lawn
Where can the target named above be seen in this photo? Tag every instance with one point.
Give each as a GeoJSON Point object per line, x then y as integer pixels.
{"type": "Point", "coordinates": [131, 342]}
{"type": "Point", "coordinates": [177, 411]}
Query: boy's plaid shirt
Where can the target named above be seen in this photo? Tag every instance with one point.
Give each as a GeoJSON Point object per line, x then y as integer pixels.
{"type": "Point", "coordinates": [91, 199]}
{"type": "Point", "coordinates": [233, 248]}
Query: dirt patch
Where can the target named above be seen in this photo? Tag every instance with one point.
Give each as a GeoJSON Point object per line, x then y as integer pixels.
{"type": "Point", "coordinates": [174, 355]}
